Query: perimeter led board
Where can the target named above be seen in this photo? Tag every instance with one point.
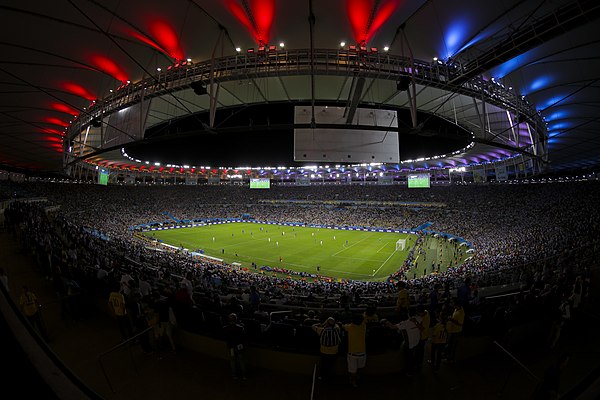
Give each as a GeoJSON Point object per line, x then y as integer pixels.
{"type": "Point", "coordinates": [418, 181]}
{"type": "Point", "coordinates": [351, 144]}
{"type": "Point", "coordinates": [260, 183]}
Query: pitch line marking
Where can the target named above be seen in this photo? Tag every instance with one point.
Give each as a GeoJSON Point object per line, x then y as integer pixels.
{"type": "Point", "coordinates": [359, 259]}
{"type": "Point", "coordinates": [387, 259]}
{"type": "Point", "coordinates": [353, 244]}
{"type": "Point", "coordinates": [382, 247]}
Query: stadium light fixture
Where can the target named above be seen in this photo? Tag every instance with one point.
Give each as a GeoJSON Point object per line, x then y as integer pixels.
{"type": "Point", "coordinates": [435, 58]}
{"type": "Point", "coordinates": [342, 43]}
{"type": "Point", "coordinates": [238, 49]}
{"type": "Point", "coordinates": [282, 45]}
{"type": "Point", "coordinates": [159, 69]}
{"type": "Point", "coordinates": [189, 60]}
{"type": "Point", "coordinates": [386, 48]}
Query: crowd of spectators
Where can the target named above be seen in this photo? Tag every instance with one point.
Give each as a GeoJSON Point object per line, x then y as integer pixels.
{"type": "Point", "coordinates": [539, 236]}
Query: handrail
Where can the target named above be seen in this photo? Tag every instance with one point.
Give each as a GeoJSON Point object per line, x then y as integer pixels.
{"type": "Point", "coordinates": [118, 346]}
{"type": "Point", "coordinates": [278, 312]}
{"type": "Point", "coordinates": [19, 318]}
{"type": "Point", "coordinates": [519, 363]}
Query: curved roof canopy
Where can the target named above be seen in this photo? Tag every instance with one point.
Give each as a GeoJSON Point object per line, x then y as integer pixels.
{"type": "Point", "coordinates": [65, 61]}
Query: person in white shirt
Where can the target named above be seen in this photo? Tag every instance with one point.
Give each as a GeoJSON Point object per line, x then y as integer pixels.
{"type": "Point", "coordinates": [144, 287]}
{"type": "Point", "coordinates": [412, 335]}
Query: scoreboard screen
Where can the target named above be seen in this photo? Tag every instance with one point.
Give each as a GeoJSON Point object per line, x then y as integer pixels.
{"type": "Point", "coordinates": [103, 177]}
{"type": "Point", "coordinates": [260, 183]}
{"type": "Point", "coordinates": [418, 181]}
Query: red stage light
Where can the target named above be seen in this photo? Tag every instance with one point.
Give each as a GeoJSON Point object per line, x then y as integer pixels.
{"type": "Point", "coordinates": [110, 67]}
{"type": "Point", "coordinates": [53, 131]}
{"type": "Point", "coordinates": [359, 13]}
{"type": "Point", "coordinates": [165, 39]}
{"type": "Point", "coordinates": [64, 108]}
{"type": "Point", "coordinates": [263, 15]}
{"type": "Point", "coordinates": [56, 121]}
{"type": "Point", "coordinates": [78, 90]}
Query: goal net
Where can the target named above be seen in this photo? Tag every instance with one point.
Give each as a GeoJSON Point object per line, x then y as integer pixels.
{"type": "Point", "coordinates": [400, 244]}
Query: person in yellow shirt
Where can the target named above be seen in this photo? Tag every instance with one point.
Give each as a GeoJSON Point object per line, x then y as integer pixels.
{"type": "Point", "coordinates": [454, 327]}
{"type": "Point", "coordinates": [30, 306]}
{"type": "Point", "coordinates": [357, 356]}
{"type": "Point", "coordinates": [439, 338]}
{"type": "Point", "coordinates": [370, 315]}
{"type": "Point", "coordinates": [116, 301]}
{"type": "Point", "coordinates": [403, 301]}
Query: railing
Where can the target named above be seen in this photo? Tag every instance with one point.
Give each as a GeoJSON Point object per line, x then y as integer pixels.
{"type": "Point", "coordinates": [120, 345]}
{"type": "Point", "coordinates": [519, 363]}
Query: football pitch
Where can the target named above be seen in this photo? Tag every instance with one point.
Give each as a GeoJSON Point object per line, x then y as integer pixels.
{"type": "Point", "coordinates": [357, 255]}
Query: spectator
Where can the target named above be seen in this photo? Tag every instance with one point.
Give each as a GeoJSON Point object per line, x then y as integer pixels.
{"type": "Point", "coordinates": [311, 318]}
{"type": "Point", "coordinates": [463, 293]}
{"type": "Point", "coordinates": [357, 356]}
{"type": "Point", "coordinates": [403, 301]}
{"type": "Point", "coordinates": [116, 301]}
{"type": "Point", "coordinates": [548, 389]}
{"type": "Point", "coordinates": [329, 338]}
{"type": "Point", "coordinates": [166, 321]}
{"type": "Point", "coordinates": [31, 308]}
{"type": "Point", "coordinates": [254, 298]}
{"type": "Point", "coordinates": [439, 339]}
{"type": "Point", "coordinates": [370, 315]}
{"type": "Point", "coordinates": [423, 321]}
{"type": "Point", "coordinates": [454, 328]}
{"type": "Point", "coordinates": [235, 337]}
{"type": "Point", "coordinates": [136, 311]}
{"type": "Point", "coordinates": [561, 317]}
{"type": "Point", "coordinates": [411, 336]}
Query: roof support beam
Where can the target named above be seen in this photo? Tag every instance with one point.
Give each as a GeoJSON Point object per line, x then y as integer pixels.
{"type": "Point", "coordinates": [351, 109]}
{"type": "Point", "coordinates": [214, 91]}
{"type": "Point", "coordinates": [561, 20]}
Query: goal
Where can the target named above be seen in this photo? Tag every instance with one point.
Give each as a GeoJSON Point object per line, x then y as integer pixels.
{"type": "Point", "coordinates": [400, 244]}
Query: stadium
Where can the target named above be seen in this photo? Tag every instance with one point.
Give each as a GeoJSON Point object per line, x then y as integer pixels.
{"type": "Point", "coordinates": [316, 200]}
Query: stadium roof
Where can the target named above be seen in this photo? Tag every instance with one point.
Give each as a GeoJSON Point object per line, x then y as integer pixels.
{"type": "Point", "coordinates": [60, 56]}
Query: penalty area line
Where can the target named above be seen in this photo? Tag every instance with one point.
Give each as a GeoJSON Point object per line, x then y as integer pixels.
{"type": "Point", "coordinates": [386, 260]}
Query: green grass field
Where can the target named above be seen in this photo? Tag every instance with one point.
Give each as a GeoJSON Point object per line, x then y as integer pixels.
{"type": "Point", "coordinates": [358, 255]}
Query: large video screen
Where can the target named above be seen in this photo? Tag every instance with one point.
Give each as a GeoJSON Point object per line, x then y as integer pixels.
{"type": "Point", "coordinates": [260, 183]}
{"type": "Point", "coordinates": [418, 181]}
{"type": "Point", "coordinates": [103, 177]}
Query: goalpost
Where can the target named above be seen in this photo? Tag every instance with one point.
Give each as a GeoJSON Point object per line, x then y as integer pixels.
{"type": "Point", "coordinates": [400, 244]}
